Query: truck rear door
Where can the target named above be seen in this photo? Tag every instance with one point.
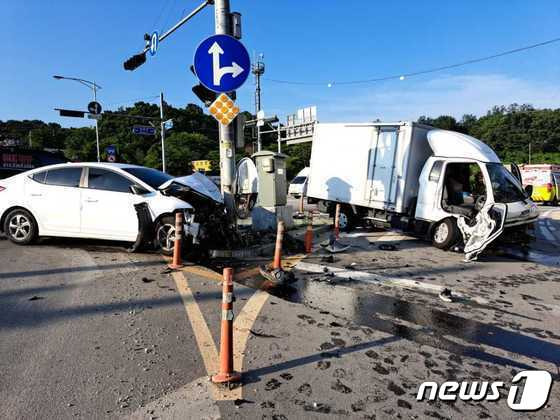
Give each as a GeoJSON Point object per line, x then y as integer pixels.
{"type": "Point", "coordinates": [381, 183]}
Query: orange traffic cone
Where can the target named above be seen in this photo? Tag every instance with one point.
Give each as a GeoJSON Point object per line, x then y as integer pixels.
{"type": "Point", "coordinates": [177, 259]}
{"type": "Point", "coordinates": [309, 235]}
{"type": "Point", "coordinates": [227, 374]}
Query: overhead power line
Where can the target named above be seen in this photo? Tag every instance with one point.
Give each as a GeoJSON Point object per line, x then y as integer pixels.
{"type": "Point", "coordinates": [404, 75]}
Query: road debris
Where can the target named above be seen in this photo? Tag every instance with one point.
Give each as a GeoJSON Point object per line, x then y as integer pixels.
{"type": "Point", "coordinates": [447, 296]}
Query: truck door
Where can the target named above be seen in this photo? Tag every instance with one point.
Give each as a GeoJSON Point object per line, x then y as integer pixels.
{"type": "Point", "coordinates": [381, 183]}
{"type": "Point", "coordinates": [426, 205]}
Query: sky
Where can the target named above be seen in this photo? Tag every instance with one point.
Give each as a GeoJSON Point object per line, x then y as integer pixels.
{"type": "Point", "coordinates": [318, 41]}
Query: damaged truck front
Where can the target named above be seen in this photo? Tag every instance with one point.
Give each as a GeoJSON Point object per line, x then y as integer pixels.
{"type": "Point", "coordinates": [439, 184]}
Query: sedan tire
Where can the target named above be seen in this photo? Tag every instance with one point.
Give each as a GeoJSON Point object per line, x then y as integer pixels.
{"type": "Point", "coordinates": [20, 227]}
{"type": "Point", "coordinates": [165, 235]}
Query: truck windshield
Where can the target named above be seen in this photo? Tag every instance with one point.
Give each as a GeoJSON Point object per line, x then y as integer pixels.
{"type": "Point", "coordinates": [504, 185]}
{"type": "Point", "coordinates": [299, 180]}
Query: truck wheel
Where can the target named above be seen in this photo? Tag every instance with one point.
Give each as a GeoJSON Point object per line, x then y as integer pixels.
{"type": "Point", "coordinates": [20, 227]}
{"type": "Point", "coordinates": [346, 220]}
{"type": "Point", "coordinates": [445, 234]}
{"type": "Point", "coordinates": [323, 206]}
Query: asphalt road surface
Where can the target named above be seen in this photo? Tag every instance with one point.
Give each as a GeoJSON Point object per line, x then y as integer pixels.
{"type": "Point", "coordinates": [88, 330]}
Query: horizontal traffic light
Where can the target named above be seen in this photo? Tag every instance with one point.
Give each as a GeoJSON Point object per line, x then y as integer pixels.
{"type": "Point", "coordinates": [71, 113]}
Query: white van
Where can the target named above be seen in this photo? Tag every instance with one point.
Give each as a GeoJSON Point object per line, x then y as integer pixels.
{"type": "Point", "coordinates": [436, 183]}
{"type": "Point", "coordinates": [298, 186]}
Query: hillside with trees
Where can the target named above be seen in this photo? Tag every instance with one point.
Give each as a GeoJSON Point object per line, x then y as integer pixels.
{"type": "Point", "coordinates": [508, 130]}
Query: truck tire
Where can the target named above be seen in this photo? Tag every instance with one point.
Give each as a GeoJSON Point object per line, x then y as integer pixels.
{"type": "Point", "coordinates": [323, 206]}
{"type": "Point", "coordinates": [347, 219]}
{"type": "Point", "coordinates": [445, 234]}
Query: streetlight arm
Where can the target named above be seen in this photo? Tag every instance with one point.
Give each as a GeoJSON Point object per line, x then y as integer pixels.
{"type": "Point", "coordinates": [84, 82]}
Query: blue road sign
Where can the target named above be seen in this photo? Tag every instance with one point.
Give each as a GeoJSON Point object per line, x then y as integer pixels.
{"type": "Point", "coordinates": [111, 152]}
{"type": "Point", "coordinates": [222, 63]}
{"type": "Point", "coordinates": [154, 42]}
{"type": "Point", "coordinates": [143, 130]}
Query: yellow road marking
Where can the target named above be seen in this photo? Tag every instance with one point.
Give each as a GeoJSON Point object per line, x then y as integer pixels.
{"type": "Point", "coordinates": [201, 331]}
{"type": "Point", "coordinates": [242, 326]}
{"type": "Point", "coordinates": [208, 350]}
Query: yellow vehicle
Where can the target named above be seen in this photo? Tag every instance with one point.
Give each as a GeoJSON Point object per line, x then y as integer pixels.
{"type": "Point", "coordinates": [545, 179]}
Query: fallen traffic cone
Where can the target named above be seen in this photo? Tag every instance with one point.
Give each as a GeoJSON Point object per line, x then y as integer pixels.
{"type": "Point", "coordinates": [309, 235]}
{"type": "Point", "coordinates": [227, 374]}
{"type": "Point", "coordinates": [276, 275]}
{"type": "Point", "coordinates": [177, 259]}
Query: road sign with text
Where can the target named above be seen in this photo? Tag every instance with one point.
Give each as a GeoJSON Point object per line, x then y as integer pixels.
{"type": "Point", "coordinates": [143, 130]}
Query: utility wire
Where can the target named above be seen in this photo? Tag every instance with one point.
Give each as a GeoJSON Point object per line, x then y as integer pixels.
{"type": "Point", "coordinates": [402, 76]}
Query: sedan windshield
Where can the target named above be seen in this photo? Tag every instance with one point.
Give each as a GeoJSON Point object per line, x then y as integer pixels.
{"type": "Point", "coordinates": [152, 177]}
{"type": "Point", "coordinates": [506, 188]}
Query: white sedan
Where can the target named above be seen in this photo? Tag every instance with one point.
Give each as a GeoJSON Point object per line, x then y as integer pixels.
{"type": "Point", "coordinates": [97, 200]}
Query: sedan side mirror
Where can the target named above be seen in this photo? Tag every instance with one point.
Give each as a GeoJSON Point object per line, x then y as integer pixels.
{"type": "Point", "coordinates": [529, 190]}
{"type": "Point", "coordinates": [138, 190]}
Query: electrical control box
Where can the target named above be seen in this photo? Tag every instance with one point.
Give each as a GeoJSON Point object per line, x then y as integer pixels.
{"type": "Point", "coordinates": [271, 170]}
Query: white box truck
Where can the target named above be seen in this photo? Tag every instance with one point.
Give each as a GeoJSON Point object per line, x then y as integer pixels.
{"type": "Point", "coordinates": [435, 183]}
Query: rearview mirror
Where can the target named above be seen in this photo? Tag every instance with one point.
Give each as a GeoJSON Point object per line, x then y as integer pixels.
{"type": "Point", "coordinates": [138, 190]}
{"type": "Point", "coordinates": [529, 190]}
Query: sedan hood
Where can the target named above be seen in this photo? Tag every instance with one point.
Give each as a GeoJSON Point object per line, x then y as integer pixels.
{"type": "Point", "coordinates": [199, 183]}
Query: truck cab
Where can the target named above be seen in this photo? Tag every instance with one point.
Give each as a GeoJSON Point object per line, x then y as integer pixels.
{"type": "Point", "coordinates": [463, 177]}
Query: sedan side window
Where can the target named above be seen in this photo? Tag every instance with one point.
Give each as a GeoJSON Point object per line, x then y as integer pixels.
{"type": "Point", "coordinates": [39, 177]}
{"type": "Point", "coordinates": [101, 179]}
{"type": "Point", "coordinates": [65, 177]}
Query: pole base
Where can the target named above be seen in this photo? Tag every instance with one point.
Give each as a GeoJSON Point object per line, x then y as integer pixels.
{"type": "Point", "coordinates": [221, 378]}
{"type": "Point", "coordinates": [175, 266]}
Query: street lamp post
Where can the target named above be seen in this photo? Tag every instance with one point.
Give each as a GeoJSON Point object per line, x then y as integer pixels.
{"type": "Point", "coordinates": [93, 86]}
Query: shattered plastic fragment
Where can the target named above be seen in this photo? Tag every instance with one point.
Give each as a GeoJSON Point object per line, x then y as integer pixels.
{"type": "Point", "coordinates": [489, 224]}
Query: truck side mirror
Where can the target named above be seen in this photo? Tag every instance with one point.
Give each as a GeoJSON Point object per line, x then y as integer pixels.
{"type": "Point", "coordinates": [529, 190]}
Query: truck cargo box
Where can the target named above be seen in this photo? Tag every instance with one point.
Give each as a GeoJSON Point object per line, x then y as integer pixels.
{"type": "Point", "coordinates": [374, 165]}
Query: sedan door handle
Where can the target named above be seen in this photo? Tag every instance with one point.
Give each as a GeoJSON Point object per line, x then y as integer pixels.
{"type": "Point", "coordinates": [36, 195]}
{"type": "Point", "coordinates": [91, 200]}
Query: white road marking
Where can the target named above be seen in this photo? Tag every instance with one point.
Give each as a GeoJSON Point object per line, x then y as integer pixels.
{"type": "Point", "coordinates": [365, 277]}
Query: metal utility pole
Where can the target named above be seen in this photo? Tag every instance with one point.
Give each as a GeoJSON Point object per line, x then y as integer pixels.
{"type": "Point", "coordinates": [96, 123]}
{"type": "Point", "coordinates": [162, 131]}
{"type": "Point", "coordinates": [226, 136]}
{"type": "Point", "coordinates": [258, 71]}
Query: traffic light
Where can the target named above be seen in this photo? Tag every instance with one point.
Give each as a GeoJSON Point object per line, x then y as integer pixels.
{"type": "Point", "coordinates": [71, 113]}
{"type": "Point", "coordinates": [205, 95]}
{"type": "Point", "coordinates": [135, 61]}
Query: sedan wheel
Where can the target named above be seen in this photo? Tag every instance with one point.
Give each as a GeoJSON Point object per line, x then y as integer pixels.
{"type": "Point", "coordinates": [20, 227]}
{"type": "Point", "coordinates": [165, 237]}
